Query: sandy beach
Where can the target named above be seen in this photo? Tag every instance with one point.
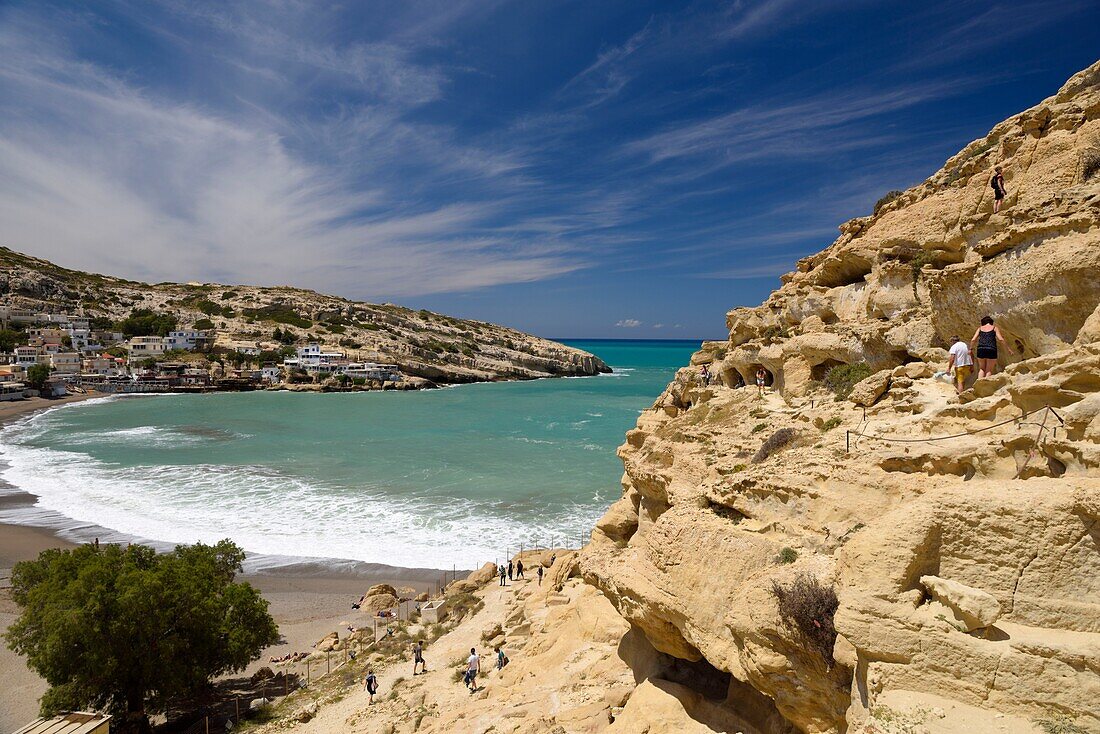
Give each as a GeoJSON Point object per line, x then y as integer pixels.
{"type": "Point", "coordinates": [307, 599]}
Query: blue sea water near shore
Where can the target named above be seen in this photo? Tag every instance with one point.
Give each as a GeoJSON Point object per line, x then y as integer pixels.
{"type": "Point", "coordinates": [437, 478]}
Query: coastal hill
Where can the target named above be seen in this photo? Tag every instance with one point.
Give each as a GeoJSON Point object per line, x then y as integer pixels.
{"type": "Point", "coordinates": [429, 348]}
{"type": "Point", "coordinates": [856, 548]}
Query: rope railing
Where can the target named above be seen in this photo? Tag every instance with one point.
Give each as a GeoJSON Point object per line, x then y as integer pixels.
{"type": "Point", "coordinates": [929, 439]}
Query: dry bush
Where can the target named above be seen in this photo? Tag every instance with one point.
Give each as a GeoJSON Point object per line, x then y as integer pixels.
{"type": "Point", "coordinates": [843, 377]}
{"type": "Point", "coordinates": [1090, 158]}
{"type": "Point", "coordinates": [808, 606]}
{"type": "Point", "coordinates": [778, 440]}
{"type": "Point", "coordinates": [886, 199]}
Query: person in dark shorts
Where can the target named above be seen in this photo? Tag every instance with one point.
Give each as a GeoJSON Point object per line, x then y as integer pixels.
{"type": "Point", "coordinates": [503, 575]}
{"type": "Point", "coordinates": [998, 184]}
{"type": "Point", "coordinates": [519, 569]}
{"type": "Point", "coordinates": [510, 569]}
{"type": "Point", "coordinates": [984, 344]}
{"type": "Point", "coordinates": [418, 657]}
{"type": "Point", "coordinates": [540, 574]}
{"type": "Point", "coordinates": [370, 683]}
{"type": "Point", "coordinates": [473, 667]}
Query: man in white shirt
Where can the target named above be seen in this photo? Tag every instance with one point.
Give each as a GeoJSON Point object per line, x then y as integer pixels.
{"type": "Point", "coordinates": [473, 667]}
{"type": "Point", "coordinates": [961, 362]}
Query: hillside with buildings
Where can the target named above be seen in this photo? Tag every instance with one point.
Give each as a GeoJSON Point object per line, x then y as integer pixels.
{"type": "Point", "coordinates": [112, 333]}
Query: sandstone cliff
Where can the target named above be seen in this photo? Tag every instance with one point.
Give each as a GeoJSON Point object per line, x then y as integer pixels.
{"type": "Point", "coordinates": [425, 345]}
{"type": "Point", "coordinates": [966, 569]}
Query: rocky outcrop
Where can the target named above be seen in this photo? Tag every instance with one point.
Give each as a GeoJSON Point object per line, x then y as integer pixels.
{"type": "Point", "coordinates": [429, 348]}
{"type": "Point", "coordinates": [945, 547]}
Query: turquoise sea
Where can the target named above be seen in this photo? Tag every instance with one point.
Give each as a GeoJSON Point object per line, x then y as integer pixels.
{"type": "Point", "coordinates": [437, 478]}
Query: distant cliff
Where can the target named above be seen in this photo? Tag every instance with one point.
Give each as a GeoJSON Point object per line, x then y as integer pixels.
{"type": "Point", "coordinates": [435, 348]}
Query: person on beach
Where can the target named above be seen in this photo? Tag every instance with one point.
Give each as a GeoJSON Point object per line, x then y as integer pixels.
{"type": "Point", "coordinates": [473, 667]}
{"type": "Point", "coordinates": [761, 381]}
{"type": "Point", "coordinates": [540, 575]}
{"type": "Point", "coordinates": [519, 569]}
{"type": "Point", "coordinates": [418, 657]}
{"type": "Point", "coordinates": [503, 575]}
{"type": "Point", "coordinates": [998, 184]}
{"type": "Point", "coordinates": [961, 362]}
{"type": "Point", "coordinates": [510, 570]}
{"type": "Point", "coordinates": [370, 684]}
{"type": "Point", "coordinates": [985, 339]}
{"type": "Point", "coordinates": [502, 659]}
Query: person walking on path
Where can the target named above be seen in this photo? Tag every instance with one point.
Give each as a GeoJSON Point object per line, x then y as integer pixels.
{"type": "Point", "coordinates": [502, 659]}
{"type": "Point", "coordinates": [418, 657]}
{"type": "Point", "coordinates": [985, 339]}
{"type": "Point", "coordinates": [998, 184]}
{"type": "Point", "coordinates": [961, 362]}
{"type": "Point", "coordinates": [519, 569]}
{"type": "Point", "coordinates": [503, 575]}
{"type": "Point", "coordinates": [370, 684]}
{"type": "Point", "coordinates": [509, 570]}
{"type": "Point", "coordinates": [540, 575]}
{"type": "Point", "coordinates": [473, 667]}
{"type": "Point", "coordinates": [761, 379]}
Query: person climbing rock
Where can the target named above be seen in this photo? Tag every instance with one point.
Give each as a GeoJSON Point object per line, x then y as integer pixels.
{"type": "Point", "coordinates": [761, 380]}
{"type": "Point", "coordinates": [985, 339]}
{"type": "Point", "coordinates": [961, 362]}
{"type": "Point", "coordinates": [998, 183]}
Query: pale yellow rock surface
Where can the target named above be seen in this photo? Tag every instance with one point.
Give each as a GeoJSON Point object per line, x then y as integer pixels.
{"type": "Point", "coordinates": [978, 494]}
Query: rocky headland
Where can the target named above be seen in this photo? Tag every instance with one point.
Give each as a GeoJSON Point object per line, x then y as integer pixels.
{"type": "Point", "coordinates": [428, 348]}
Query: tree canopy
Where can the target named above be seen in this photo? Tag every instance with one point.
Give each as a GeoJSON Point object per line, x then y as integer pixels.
{"type": "Point", "coordinates": [38, 375]}
{"type": "Point", "coordinates": [127, 630]}
{"type": "Point", "coordinates": [144, 322]}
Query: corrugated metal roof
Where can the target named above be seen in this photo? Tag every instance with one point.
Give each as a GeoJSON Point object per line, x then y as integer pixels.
{"type": "Point", "coordinates": [78, 722]}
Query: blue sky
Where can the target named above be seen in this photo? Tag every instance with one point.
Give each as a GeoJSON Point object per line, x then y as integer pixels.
{"type": "Point", "coordinates": [623, 169]}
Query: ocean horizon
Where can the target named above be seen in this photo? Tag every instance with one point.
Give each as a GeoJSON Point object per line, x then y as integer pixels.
{"type": "Point", "coordinates": [433, 479]}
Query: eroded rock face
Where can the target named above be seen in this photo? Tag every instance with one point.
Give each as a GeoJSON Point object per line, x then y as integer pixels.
{"type": "Point", "coordinates": [961, 534]}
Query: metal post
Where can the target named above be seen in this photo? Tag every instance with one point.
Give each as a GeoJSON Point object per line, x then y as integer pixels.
{"type": "Point", "coordinates": [847, 441]}
{"type": "Point", "coordinates": [307, 671]}
{"type": "Point", "coordinates": [237, 709]}
{"type": "Point", "coordinates": [328, 663]}
{"type": "Point", "coordinates": [207, 725]}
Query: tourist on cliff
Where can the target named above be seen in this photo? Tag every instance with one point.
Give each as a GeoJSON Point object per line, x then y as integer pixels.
{"type": "Point", "coordinates": [502, 659]}
{"type": "Point", "coordinates": [960, 362]}
{"type": "Point", "coordinates": [418, 657]}
{"type": "Point", "coordinates": [761, 380]}
{"type": "Point", "coordinates": [503, 575]}
{"type": "Point", "coordinates": [519, 569]}
{"type": "Point", "coordinates": [370, 684]}
{"type": "Point", "coordinates": [509, 570]}
{"type": "Point", "coordinates": [704, 374]}
{"type": "Point", "coordinates": [985, 339]}
{"type": "Point", "coordinates": [540, 574]}
{"type": "Point", "coordinates": [998, 184]}
{"type": "Point", "coordinates": [473, 667]}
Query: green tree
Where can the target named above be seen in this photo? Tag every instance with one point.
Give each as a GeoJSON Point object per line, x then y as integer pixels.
{"type": "Point", "coordinates": [37, 375]}
{"type": "Point", "coordinates": [204, 324]}
{"type": "Point", "coordinates": [128, 631]}
{"type": "Point", "coordinates": [144, 322]}
{"type": "Point", "coordinates": [10, 339]}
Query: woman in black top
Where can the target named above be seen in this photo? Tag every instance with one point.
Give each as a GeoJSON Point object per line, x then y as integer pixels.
{"type": "Point", "coordinates": [998, 184]}
{"type": "Point", "coordinates": [985, 340]}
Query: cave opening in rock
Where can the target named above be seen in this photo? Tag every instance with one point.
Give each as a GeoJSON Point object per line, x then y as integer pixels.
{"type": "Point", "coordinates": [818, 371]}
{"type": "Point", "coordinates": [769, 378]}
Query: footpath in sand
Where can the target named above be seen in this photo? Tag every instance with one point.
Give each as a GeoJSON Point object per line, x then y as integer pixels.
{"type": "Point", "coordinates": [563, 642]}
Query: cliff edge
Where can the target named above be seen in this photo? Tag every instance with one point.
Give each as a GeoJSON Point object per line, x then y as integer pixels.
{"type": "Point", "coordinates": [890, 556]}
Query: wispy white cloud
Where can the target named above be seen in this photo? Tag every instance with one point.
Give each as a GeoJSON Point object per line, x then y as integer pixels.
{"type": "Point", "coordinates": [101, 173]}
{"type": "Point", "coordinates": [628, 323]}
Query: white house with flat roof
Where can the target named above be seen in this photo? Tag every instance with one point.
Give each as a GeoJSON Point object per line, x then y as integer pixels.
{"type": "Point", "coordinates": [189, 340]}
{"type": "Point", "coordinates": [373, 371]}
{"type": "Point", "coordinates": [65, 363]}
{"type": "Point", "coordinates": [147, 346]}
{"type": "Point", "coordinates": [312, 358]}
